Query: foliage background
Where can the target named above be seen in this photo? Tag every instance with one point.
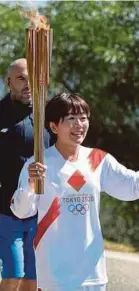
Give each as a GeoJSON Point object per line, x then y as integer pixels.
{"type": "Point", "coordinates": [96, 53]}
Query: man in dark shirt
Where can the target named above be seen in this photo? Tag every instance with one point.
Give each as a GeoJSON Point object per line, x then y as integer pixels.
{"type": "Point", "coordinates": [16, 145]}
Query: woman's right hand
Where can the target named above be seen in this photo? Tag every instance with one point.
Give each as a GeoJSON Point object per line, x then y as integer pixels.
{"type": "Point", "coordinates": [36, 170]}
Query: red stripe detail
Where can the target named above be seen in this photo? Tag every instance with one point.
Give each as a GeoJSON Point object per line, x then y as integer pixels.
{"type": "Point", "coordinates": [95, 158]}
{"type": "Point", "coordinates": [51, 215]}
{"type": "Point", "coordinates": [39, 289]}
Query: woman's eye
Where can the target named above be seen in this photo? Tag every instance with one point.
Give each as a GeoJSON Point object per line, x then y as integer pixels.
{"type": "Point", "coordinates": [83, 118]}
{"type": "Point", "coordinates": [71, 118]}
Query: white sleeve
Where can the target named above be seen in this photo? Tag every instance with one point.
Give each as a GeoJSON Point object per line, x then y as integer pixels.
{"type": "Point", "coordinates": [24, 201]}
{"type": "Point", "coordinates": [118, 181]}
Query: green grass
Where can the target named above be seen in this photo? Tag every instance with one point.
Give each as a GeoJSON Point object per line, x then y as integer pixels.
{"type": "Point", "coordinates": [112, 246]}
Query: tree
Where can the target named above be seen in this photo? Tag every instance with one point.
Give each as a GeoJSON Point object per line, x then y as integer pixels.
{"type": "Point", "coordinates": [12, 40]}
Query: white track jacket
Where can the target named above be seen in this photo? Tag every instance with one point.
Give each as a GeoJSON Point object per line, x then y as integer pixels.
{"type": "Point", "coordinates": [69, 244]}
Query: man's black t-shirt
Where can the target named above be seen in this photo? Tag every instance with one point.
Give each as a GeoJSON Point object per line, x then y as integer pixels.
{"type": "Point", "coordinates": [16, 146]}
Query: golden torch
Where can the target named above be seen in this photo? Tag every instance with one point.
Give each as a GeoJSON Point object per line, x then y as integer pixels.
{"type": "Point", "coordinates": [38, 55]}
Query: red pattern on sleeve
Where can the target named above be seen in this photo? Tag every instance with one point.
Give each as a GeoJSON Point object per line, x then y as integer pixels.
{"type": "Point", "coordinates": [95, 158]}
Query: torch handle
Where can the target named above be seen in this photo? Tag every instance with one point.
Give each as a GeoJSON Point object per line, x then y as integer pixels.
{"type": "Point", "coordinates": [39, 50]}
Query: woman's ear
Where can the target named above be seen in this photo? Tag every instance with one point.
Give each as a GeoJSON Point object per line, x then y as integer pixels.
{"type": "Point", "coordinates": [53, 127]}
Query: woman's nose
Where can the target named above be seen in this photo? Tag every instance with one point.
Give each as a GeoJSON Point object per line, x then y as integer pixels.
{"type": "Point", "coordinates": [78, 122]}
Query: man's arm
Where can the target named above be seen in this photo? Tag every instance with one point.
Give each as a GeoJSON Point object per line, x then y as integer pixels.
{"type": "Point", "coordinates": [5, 112]}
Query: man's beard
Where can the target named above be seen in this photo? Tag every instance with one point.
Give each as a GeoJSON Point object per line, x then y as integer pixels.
{"type": "Point", "coordinates": [22, 98]}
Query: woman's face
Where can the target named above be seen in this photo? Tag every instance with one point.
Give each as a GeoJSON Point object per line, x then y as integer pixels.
{"type": "Point", "coordinates": [72, 130]}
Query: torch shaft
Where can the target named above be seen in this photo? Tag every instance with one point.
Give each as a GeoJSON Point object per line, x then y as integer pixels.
{"type": "Point", "coordinates": [39, 46]}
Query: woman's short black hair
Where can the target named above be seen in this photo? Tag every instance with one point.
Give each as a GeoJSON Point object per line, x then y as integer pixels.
{"type": "Point", "coordinates": [63, 104]}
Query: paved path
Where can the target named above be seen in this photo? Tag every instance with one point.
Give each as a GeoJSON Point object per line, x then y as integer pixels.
{"type": "Point", "coordinates": [123, 271]}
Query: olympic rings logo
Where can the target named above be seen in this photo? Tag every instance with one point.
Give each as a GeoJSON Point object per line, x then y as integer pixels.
{"type": "Point", "coordinates": [78, 208]}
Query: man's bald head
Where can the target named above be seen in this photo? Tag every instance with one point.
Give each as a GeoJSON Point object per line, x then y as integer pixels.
{"type": "Point", "coordinates": [18, 64]}
{"type": "Point", "coordinates": [17, 81]}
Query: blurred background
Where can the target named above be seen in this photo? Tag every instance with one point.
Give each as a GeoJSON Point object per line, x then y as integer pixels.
{"type": "Point", "coordinates": [96, 53]}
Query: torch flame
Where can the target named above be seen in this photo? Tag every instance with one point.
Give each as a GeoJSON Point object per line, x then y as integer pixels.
{"type": "Point", "coordinates": [38, 21]}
